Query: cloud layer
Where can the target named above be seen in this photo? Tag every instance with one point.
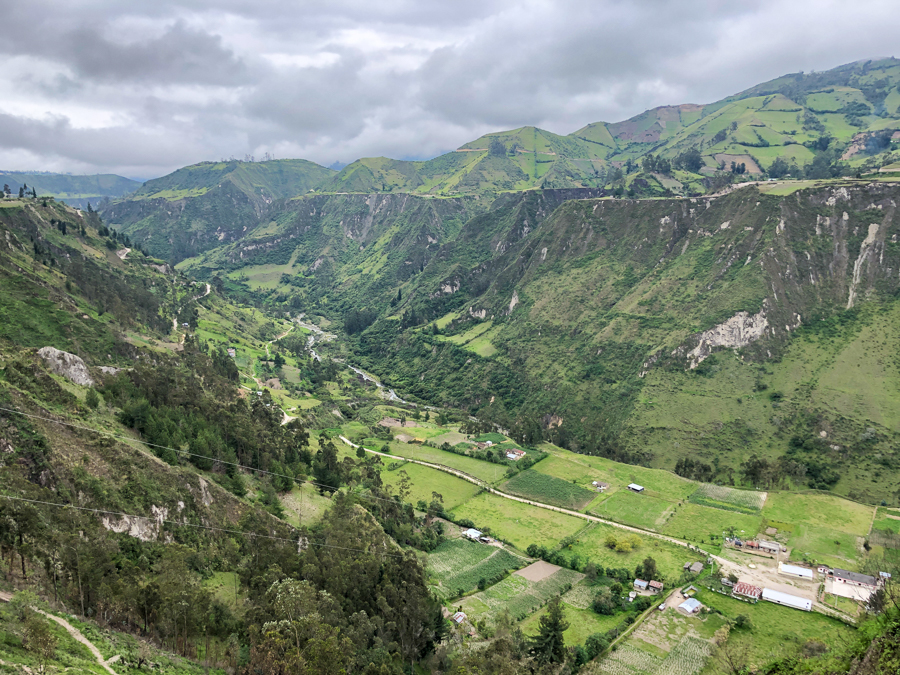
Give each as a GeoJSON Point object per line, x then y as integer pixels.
{"type": "Point", "coordinates": [143, 88]}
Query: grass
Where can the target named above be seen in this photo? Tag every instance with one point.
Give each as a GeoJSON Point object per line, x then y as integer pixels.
{"type": "Point", "coordinates": [486, 471]}
{"type": "Point", "coordinates": [819, 510]}
{"type": "Point", "coordinates": [585, 469]}
{"type": "Point", "coordinates": [548, 489]}
{"type": "Point", "coordinates": [824, 545]}
{"type": "Point", "coordinates": [517, 523]}
{"type": "Point", "coordinates": [590, 546]}
{"type": "Point", "coordinates": [695, 523]}
{"type": "Point", "coordinates": [222, 585]}
{"type": "Point", "coordinates": [460, 564]}
{"type": "Point", "coordinates": [303, 505]}
{"type": "Point", "coordinates": [425, 480]}
{"type": "Point", "coordinates": [777, 631]}
{"type": "Point", "coordinates": [721, 497]}
{"type": "Point", "coordinates": [640, 510]}
{"type": "Point", "coordinates": [582, 623]}
{"type": "Point", "coordinates": [518, 596]}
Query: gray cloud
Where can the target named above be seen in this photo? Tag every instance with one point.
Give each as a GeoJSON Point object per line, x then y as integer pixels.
{"type": "Point", "coordinates": [142, 88]}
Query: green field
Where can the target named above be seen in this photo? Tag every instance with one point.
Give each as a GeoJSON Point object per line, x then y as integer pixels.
{"type": "Point", "coordinates": [586, 468]}
{"type": "Point", "coordinates": [425, 480]}
{"type": "Point", "coordinates": [458, 565]}
{"type": "Point", "coordinates": [695, 523]}
{"type": "Point", "coordinates": [303, 505]}
{"type": "Point", "coordinates": [590, 546]}
{"type": "Point", "coordinates": [819, 510]}
{"type": "Point", "coordinates": [582, 623]}
{"type": "Point", "coordinates": [631, 508]}
{"type": "Point", "coordinates": [519, 524]}
{"type": "Point", "coordinates": [548, 489]}
{"type": "Point", "coordinates": [729, 499]}
{"type": "Point", "coordinates": [824, 545]}
{"type": "Point", "coordinates": [777, 631]}
{"type": "Point", "coordinates": [518, 596]}
{"type": "Point", "coordinates": [486, 471]}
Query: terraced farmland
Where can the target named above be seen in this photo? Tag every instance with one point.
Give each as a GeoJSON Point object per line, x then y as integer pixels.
{"type": "Point", "coordinates": [457, 566]}
{"type": "Point", "coordinates": [548, 489]}
{"type": "Point", "coordinates": [518, 595]}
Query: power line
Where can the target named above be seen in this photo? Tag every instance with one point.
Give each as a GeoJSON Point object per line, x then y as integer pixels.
{"type": "Point", "coordinates": [190, 454]}
{"type": "Point", "coordinates": [195, 525]}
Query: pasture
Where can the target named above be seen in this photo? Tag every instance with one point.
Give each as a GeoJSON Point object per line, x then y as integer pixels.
{"type": "Point", "coordinates": [591, 546]}
{"type": "Point", "coordinates": [586, 468]}
{"type": "Point", "coordinates": [456, 566]}
{"type": "Point", "coordinates": [548, 489]}
{"type": "Point", "coordinates": [486, 471]}
{"type": "Point", "coordinates": [729, 499]}
{"type": "Point", "coordinates": [639, 510]}
{"type": "Point", "coordinates": [582, 623]}
{"type": "Point", "coordinates": [520, 524]}
{"type": "Point", "coordinates": [688, 657]}
{"type": "Point", "coordinates": [696, 524]}
{"type": "Point", "coordinates": [425, 481]}
{"type": "Point", "coordinates": [819, 510]}
{"type": "Point", "coordinates": [777, 631]}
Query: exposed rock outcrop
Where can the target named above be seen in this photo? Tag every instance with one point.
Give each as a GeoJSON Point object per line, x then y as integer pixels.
{"type": "Point", "coordinates": [739, 331]}
{"type": "Point", "coordinates": [66, 365]}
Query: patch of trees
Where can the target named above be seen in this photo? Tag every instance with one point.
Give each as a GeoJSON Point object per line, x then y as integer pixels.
{"type": "Point", "coordinates": [689, 160]}
{"type": "Point", "coordinates": [656, 164]}
{"type": "Point", "coordinates": [357, 320]}
{"type": "Point", "coordinates": [694, 469]}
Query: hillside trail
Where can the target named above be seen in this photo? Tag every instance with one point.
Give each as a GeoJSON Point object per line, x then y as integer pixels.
{"type": "Point", "coordinates": [76, 634]}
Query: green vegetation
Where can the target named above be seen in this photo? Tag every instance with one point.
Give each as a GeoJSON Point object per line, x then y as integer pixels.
{"type": "Point", "coordinates": [547, 489]}
{"type": "Point", "coordinates": [459, 566]}
{"type": "Point", "coordinates": [518, 596]}
{"type": "Point", "coordinates": [640, 510]}
{"type": "Point", "coordinates": [521, 525]}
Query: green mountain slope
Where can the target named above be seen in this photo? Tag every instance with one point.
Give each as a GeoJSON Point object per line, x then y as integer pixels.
{"type": "Point", "coordinates": [196, 207]}
{"type": "Point", "coordinates": [76, 191]}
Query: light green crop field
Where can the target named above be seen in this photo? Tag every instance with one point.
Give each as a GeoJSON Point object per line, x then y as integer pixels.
{"type": "Point", "coordinates": [640, 510]}
{"type": "Point", "coordinates": [590, 546]}
{"type": "Point", "coordinates": [425, 480]}
{"type": "Point", "coordinates": [777, 631]}
{"type": "Point", "coordinates": [730, 499]}
{"type": "Point", "coordinates": [548, 489]}
{"type": "Point", "coordinates": [517, 523]}
{"type": "Point", "coordinates": [518, 596]}
{"type": "Point", "coordinates": [819, 510]}
{"type": "Point", "coordinates": [456, 566]}
{"type": "Point", "coordinates": [887, 519]}
{"type": "Point", "coordinates": [585, 469]}
{"type": "Point", "coordinates": [486, 471]}
{"type": "Point", "coordinates": [826, 545]}
{"type": "Point", "coordinates": [695, 523]}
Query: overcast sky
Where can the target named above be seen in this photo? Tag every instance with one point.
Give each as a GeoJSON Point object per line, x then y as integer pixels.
{"type": "Point", "coordinates": [140, 88]}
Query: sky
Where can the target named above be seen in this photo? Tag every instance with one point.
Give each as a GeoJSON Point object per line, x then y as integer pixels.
{"type": "Point", "coordinates": [142, 88]}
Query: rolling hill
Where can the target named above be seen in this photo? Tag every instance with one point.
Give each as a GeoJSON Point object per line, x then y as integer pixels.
{"type": "Point", "coordinates": [76, 191]}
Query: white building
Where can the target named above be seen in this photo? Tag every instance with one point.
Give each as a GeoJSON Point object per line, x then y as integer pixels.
{"type": "Point", "coordinates": [794, 571]}
{"type": "Point", "coordinates": [634, 487]}
{"type": "Point", "coordinates": [472, 533]}
{"type": "Point", "coordinates": [793, 601]}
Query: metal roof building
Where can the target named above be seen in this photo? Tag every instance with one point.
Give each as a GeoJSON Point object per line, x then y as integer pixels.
{"type": "Point", "coordinates": [854, 578]}
{"type": "Point", "coordinates": [472, 533]}
{"type": "Point", "coordinates": [780, 598]}
{"type": "Point", "coordinates": [691, 606]}
{"type": "Point", "coordinates": [640, 584]}
{"type": "Point", "coordinates": [794, 571]}
{"type": "Point", "coordinates": [634, 487]}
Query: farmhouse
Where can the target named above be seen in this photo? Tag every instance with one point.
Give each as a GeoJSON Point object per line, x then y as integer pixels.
{"type": "Point", "coordinates": [747, 590]}
{"type": "Point", "coordinates": [231, 352]}
{"type": "Point", "coordinates": [640, 585]}
{"type": "Point", "coordinates": [459, 617]}
{"type": "Point", "coordinates": [780, 598]}
{"type": "Point", "coordinates": [634, 487]}
{"type": "Point", "coordinates": [690, 606]}
{"type": "Point", "coordinates": [769, 546]}
{"type": "Point", "coordinates": [854, 578]}
{"type": "Point", "coordinates": [696, 568]}
{"type": "Point", "coordinates": [473, 534]}
{"type": "Point", "coordinates": [600, 485]}
{"type": "Point", "coordinates": [795, 571]}
{"type": "Point", "coordinates": [655, 586]}
{"type": "Point", "coordinates": [515, 454]}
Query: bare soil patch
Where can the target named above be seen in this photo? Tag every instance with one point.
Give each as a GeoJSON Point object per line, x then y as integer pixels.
{"type": "Point", "coordinates": [538, 570]}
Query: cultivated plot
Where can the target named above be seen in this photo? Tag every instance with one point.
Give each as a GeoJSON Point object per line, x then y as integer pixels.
{"type": "Point", "coordinates": [519, 596]}
{"type": "Point", "coordinates": [548, 489]}
{"type": "Point", "coordinates": [730, 499]}
{"type": "Point", "coordinates": [456, 567]}
{"type": "Point", "coordinates": [519, 524]}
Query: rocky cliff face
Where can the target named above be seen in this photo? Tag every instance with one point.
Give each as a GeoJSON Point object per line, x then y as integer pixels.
{"type": "Point", "coordinates": [66, 365]}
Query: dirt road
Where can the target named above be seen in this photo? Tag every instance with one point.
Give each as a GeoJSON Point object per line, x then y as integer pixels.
{"type": "Point", "coordinates": [76, 635]}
